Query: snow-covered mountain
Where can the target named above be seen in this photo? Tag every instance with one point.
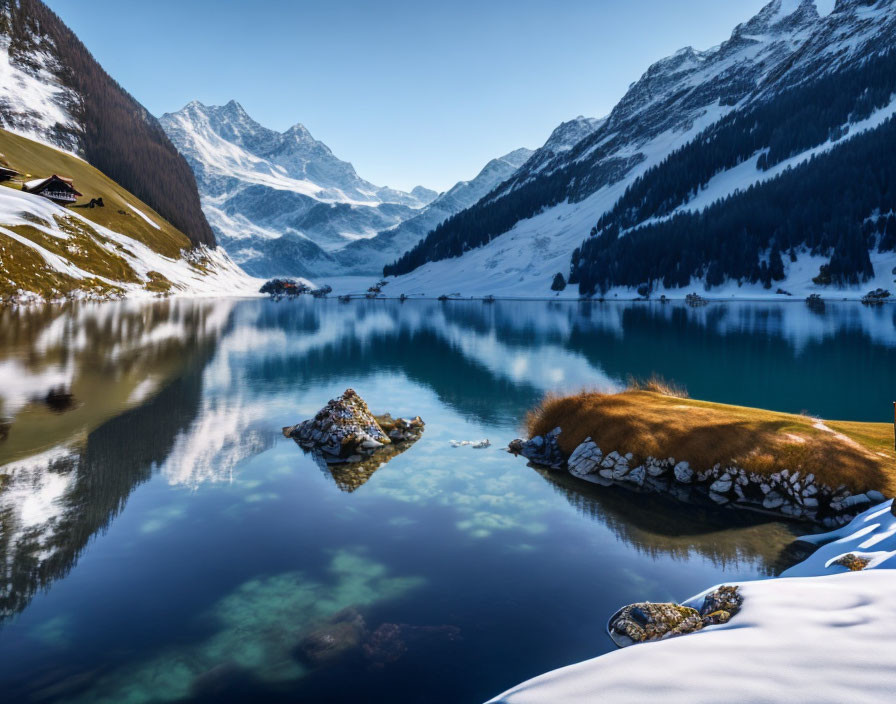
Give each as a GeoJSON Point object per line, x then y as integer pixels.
{"type": "Point", "coordinates": [369, 256]}
{"type": "Point", "coordinates": [281, 202]}
{"type": "Point", "coordinates": [791, 83]}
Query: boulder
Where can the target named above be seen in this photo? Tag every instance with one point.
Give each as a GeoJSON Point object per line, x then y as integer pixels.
{"type": "Point", "coordinates": [585, 459]}
{"type": "Point", "coordinates": [684, 473]}
{"type": "Point", "coordinates": [854, 563]}
{"type": "Point", "coordinates": [875, 496]}
{"type": "Point", "coordinates": [856, 500]}
{"type": "Point", "coordinates": [720, 605]}
{"type": "Point", "coordinates": [773, 500]}
{"type": "Point", "coordinates": [721, 485]}
{"type": "Point", "coordinates": [346, 431]}
{"type": "Point", "coordinates": [637, 475]}
{"type": "Point", "coordinates": [542, 450]}
{"type": "Point", "coordinates": [646, 621]}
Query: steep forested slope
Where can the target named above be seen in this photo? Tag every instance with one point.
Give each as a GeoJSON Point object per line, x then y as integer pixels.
{"type": "Point", "coordinates": [745, 164]}
{"type": "Point", "coordinates": [56, 92]}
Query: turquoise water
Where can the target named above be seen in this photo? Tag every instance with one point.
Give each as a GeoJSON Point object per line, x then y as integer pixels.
{"type": "Point", "coordinates": [162, 542]}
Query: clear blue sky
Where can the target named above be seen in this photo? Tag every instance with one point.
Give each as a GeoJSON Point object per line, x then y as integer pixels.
{"type": "Point", "coordinates": [409, 92]}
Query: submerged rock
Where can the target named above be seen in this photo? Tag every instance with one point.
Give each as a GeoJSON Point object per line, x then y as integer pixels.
{"type": "Point", "coordinates": [391, 641]}
{"type": "Point", "coordinates": [329, 641]}
{"type": "Point", "coordinates": [345, 431]}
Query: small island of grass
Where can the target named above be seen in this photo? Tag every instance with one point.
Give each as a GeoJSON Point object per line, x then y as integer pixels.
{"type": "Point", "coordinates": [652, 437]}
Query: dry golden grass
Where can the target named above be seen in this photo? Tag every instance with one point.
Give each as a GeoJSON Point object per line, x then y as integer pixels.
{"type": "Point", "coordinates": [659, 385]}
{"type": "Point", "coordinates": [32, 160]}
{"type": "Point", "coordinates": [648, 423]}
{"type": "Point", "coordinates": [22, 267]}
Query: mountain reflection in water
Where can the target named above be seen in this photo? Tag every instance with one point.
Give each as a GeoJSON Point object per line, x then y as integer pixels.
{"type": "Point", "coordinates": [165, 504]}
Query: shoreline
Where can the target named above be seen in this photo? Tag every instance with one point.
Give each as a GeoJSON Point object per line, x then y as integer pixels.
{"type": "Point", "coordinates": [784, 465]}
{"type": "Point", "coordinates": [838, 620]}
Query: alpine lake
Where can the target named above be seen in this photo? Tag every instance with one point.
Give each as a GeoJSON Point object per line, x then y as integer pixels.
{"type": "Point", "coordinates": [161, 541]}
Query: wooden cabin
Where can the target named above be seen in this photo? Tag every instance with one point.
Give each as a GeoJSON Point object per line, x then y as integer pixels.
{"type": "Point", "coordinates": [6, 173]}
{"type": "Point", "coordinates": [58, 189]}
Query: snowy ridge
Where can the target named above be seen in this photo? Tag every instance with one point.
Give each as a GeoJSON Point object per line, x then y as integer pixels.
{"type": "Point", "coordinates": [259, 185]}
{"type": "Point", "coordinates": [369, 256]}
{"type": "Point", "coordinates": [283, 204]}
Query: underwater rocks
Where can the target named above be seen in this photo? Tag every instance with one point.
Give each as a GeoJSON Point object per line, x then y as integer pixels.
{"type": "Point", "coordinates": [346, 634]}
{"type": "Point", "coordinates": [345, 431]}
{"type": "Point", "coordinates": [391, 641]}
{"type": "Point", "coordinates": [329, 641]}
{"type": "Point", "coordinates": [646, 621]}
{"type": "Point", "coordinates": [786, 494]}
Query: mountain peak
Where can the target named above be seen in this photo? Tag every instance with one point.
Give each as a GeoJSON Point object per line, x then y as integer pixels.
{"type": "Point", "coordinates": [299, 132]}
{"type": "Point", "coordinates": [784, 14]}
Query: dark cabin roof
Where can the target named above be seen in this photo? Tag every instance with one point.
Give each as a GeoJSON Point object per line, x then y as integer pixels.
{"type": "Point", "coordinates": [40, 184]}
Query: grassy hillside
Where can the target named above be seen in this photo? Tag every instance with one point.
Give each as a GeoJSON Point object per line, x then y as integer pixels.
{"type": "Point", "coordinates": [652, 424]}
{"type": "Point", "coordinates": [60, 232]}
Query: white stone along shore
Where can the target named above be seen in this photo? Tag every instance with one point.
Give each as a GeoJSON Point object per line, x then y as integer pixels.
{"type": "Point", "coordinates": [788, 494]}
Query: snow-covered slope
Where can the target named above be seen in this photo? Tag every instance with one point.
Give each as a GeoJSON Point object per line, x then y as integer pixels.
{"type": "Point", "coordinates": [369, 256]}
{"type": "Point", "coordinates": [822, 635]}
{"type": "Point", "coordinates": [515, 240]}
{"type": "Point", "coordinates": [34, 102]}
{"type": "Point", "coordinates": [259, 186]}
{"type": "Point", "coordinates": [123, 249]}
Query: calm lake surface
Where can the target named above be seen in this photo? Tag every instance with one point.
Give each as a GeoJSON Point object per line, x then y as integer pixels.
{"type": "Point", "coordinates": [160, 541]}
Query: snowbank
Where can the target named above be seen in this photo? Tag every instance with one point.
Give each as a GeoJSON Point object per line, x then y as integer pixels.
{"type": "Point", "coordinates": [805, 638]}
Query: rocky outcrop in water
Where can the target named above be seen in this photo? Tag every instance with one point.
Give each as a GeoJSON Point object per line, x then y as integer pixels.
{"type": "Point", "coordinates": [788, 494]}
{"type": "Point", "coordinates": [346, 634]}
{"type": "Point", "coordinates": [543, 450]}
{"type": "Point", "coordinates": [345, 432]}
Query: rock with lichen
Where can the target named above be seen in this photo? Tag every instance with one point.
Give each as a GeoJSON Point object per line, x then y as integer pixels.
{"type": "Point", "coordinates": [720, 605]}
{"type": "Point", "coordinates": [346, 431]}
{"type": "Point", "coordinates": [647, 621]}
{"type": "Point", "coordinates": [852, 562]}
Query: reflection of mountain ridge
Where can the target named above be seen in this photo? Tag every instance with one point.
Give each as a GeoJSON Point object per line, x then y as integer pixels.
{"type": "Point", "coordinates": [231, 362]}
{"type": "Point", "coordinates": [100, 475]}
